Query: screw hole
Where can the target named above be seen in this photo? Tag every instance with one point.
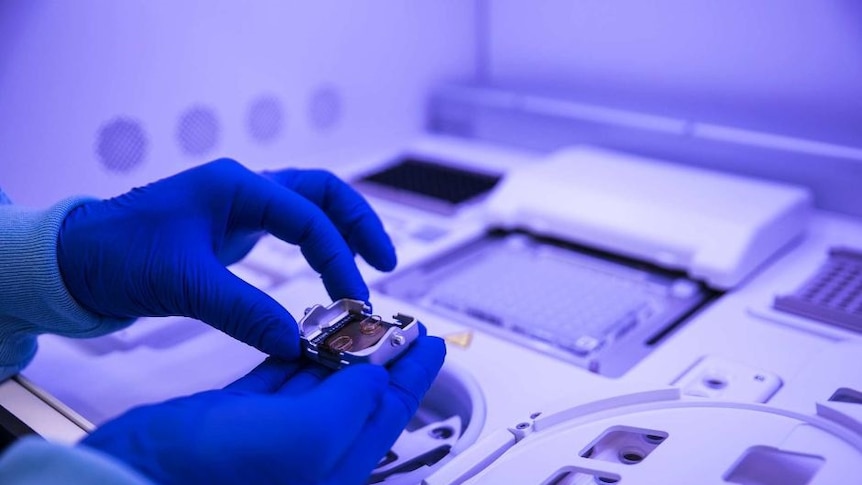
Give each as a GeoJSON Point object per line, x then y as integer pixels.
{"type": "Point", "coordinates": [631, 457]}
{"type": "Point", "coordinates": [715, 383]}
{"type": "Point", "coordinates": [653, 439]}
{"type": "Point", "coordinates": [441, 433]}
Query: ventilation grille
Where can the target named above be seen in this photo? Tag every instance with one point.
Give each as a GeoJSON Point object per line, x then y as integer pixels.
{"type": "Point", "coordinates": [121, 145]}
{"type": "Point", "coordinates": [833, 294]}
{"type": "Point", "coordinates": [325, 108]}
{"type": "Point", "coordinates": [198, 131]}
{"type": "Point", "coordinates": [265, 119]}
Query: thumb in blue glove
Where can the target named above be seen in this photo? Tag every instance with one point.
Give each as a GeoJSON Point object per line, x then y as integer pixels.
{"type": "Point", "coordinates": [282, 423]}
{"type": "Point", "coordinates": [162, 249]}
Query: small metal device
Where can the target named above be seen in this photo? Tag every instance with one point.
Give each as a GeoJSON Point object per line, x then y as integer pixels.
{"type": "Point", "coordinates": [346, 332]}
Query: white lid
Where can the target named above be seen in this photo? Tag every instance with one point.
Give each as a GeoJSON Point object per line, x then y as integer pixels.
{"type": "Point", "coordinates": [715, 226]}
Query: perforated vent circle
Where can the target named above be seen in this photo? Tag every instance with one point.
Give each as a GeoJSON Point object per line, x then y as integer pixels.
{"type": "Point", "coordinates": [121, 145]}
{"type": "Point", "coordinates": [325, 108]}
{"type": "Point", "coordinates": [265, 119]}
{"type": "Point", "coordinates": [198, 130]}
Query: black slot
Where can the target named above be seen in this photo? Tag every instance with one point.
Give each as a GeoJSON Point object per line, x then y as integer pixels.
{"type": "Point", "coordinates": [11, 428]}
{"type": "Point", "coordinates": [430, 179]}
{"type": "Point", "coordinates": [845, 394]}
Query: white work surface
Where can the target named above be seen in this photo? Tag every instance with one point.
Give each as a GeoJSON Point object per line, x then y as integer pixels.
{"type": "Point", "coordinates": [104, 377]}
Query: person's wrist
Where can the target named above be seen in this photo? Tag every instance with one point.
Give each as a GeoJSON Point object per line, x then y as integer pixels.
{"type": "Point", "coordinates": [66, 265]}
{"type": "Point", "coordinates": [72, 263]}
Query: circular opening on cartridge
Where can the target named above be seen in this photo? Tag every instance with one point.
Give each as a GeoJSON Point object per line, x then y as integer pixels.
{"type": "Point", "coordinates": [631, 456]}
{"type": "Point", "coordinates": [370, 325]}
{"type": "Point", "coordinates": [606, 480]}
{"type": "Point", "coordinates": [342, 343]}
{"type": "Point", "coordinates": [715, 382]}
{"type": "Point", "coordinates": [442, 433]}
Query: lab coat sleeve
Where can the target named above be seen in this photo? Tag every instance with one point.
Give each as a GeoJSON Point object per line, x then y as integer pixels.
{"type": "Point", "coordinates": [33, 298]}
{"type": "Point", "coordinates": [34, 461]}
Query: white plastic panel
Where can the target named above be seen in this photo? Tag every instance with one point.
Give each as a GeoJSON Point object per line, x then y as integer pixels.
{"type": "Point", "coordinates": [719, 228]}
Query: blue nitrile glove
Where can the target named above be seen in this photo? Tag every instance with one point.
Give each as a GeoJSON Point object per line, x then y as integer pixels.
{"type": "Point", "coordinates": [282, 423]}
{"type": "Point", "coordinates": [162, 249]}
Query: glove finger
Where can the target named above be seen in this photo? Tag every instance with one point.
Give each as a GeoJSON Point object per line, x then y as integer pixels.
{"type": "Point", "coordinates": [237, 246]}
{"type": "Point", "coordinates": [291, 217]}
{"type": "Point", "coordinates": [411, 375]}
{"type": "Point", "coordinates": [339, 408]}
{"type": "Point", "coordinates": [326, 385]}
{"type": "Point", "coordinates": [267, 377]}
{"type": "Point", "coordinates": [414, 372]}
{"type": "Point", "coordinates": [308, 378]}
{"type": "Point", "coordinates": [350, 212]}
{"type": "Point", "coordinates": [224, 301]}
{"type": "Point", "coordinates": [410, 378]}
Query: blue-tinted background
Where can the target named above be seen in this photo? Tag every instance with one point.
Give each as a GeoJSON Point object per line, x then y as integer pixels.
{"type": "Point", "coordinates": [98, 96]}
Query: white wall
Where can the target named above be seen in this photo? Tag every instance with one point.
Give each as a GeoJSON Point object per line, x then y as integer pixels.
{"type": "Point", "coordinates": [788, 66]}
{"type": "Point", "coordinates": [68, 68]}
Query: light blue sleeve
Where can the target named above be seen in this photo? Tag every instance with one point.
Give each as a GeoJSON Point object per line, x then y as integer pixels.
{"type": "Point", "coordinates": [34, 461]}
{"type": "Point", "coordinates": [33, 298]}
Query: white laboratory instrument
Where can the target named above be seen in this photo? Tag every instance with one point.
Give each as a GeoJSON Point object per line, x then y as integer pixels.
{"type": "Point", "coordinates": [729, 377]}
{"type": "Point", "coordinates": [681, 305]}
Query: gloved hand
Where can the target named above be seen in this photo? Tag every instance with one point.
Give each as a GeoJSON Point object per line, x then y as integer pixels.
{"type": "Point", "coordinates": [281, 423]}
{"type": "Point", "coordinates": [162, 249]}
